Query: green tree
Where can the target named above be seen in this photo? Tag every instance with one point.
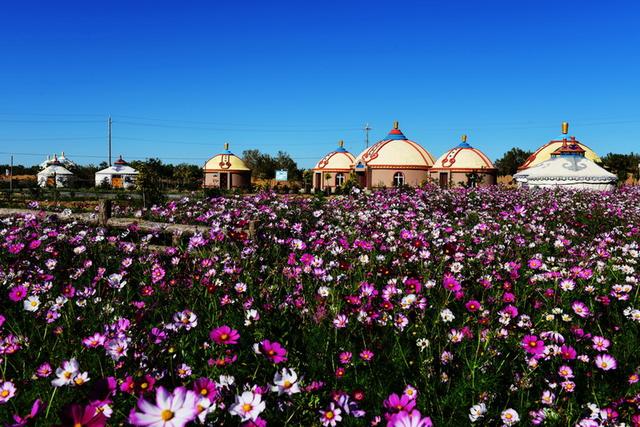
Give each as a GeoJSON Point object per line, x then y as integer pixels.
{"type": "Point", "coordinates": [148, 181]}
{"type": "Point", "coordinates": [622, 164]}
{"type": "Point", "coordinates": [509, 163]}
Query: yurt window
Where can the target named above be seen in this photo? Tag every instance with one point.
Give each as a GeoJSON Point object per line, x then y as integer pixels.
{"type": "Point", "coordinates": [339, 179]}
{"type": "Point", "coordinates": [398, 179]}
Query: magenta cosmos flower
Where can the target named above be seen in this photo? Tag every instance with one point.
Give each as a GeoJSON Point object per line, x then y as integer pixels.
{"type": "Point", "coordinates": [79, 415]}
{"type": "Point", "coordinates": [533, 345]}
{"type": "Point", "coordinates": [273, 351]}
{"type": "Point", "coordinates": [224, 335]}
{"type": "Point", "coordinates": [409, 419]}
{"type": "Point", "coordinates": [170, 410]}
{"type": "Point", "coordinates": [17, 293]}
{"type": "Point", "coordinates": [395, 403]}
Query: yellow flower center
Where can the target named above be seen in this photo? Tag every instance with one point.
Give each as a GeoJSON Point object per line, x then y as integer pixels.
{"type": "Point", "coordinates": [79, 381]}
{"type": "Point", "coordinates": [204, 392]}
{"type": "Point", "coordinates": [144, 386]}
{"type": "Point", "coordinates": [224, 337]}
{"type": "Point", "coordinates": [246, 407]}
{"type": "Point", "coordinates": [67, 375]}
{"type": "Point", "coordinates": [328, 415]}
{"type": "Point", "coordinates": [508, 416]}
{"type": "Point", "coordinates": [166, 415]}
{"type": "Point", "coordinates": [4, 393]}
{"type": "Point", "coordinates": [287, 384]}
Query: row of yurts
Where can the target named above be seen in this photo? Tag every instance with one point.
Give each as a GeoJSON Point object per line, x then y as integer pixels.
{"type": "Point", "coordinates": [396, 160]}
{"type": "Point", "coordinates": [393, 161]}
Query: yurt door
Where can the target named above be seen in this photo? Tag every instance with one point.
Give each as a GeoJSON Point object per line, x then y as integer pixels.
{"type": "Point", "coordinates": [224, 180]}
{"type": "Point", "coordinates": [51, 181]}
{"type": "Point", "coordinates": [444, 180]}
{"type": "Point", "coordinates": [116, 181]}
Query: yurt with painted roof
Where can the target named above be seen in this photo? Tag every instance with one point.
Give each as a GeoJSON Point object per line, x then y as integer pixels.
{"type": "Point", "coordinates": [333, 170]}
{"type": "Point", "coordinates": [567, 167]}
{"type": "Point", "coordinates": [55, 175]}
{"type": "Point", "coordinates": [544, 153]}
{"type": "Point", "coordinates": [463, 166]}
{"type": "Point", "coordinates": [226, 171]}
{"type": "Point", "coordinates": [392, 162]}
{"type": "Point", "coordinates": [118, 175]}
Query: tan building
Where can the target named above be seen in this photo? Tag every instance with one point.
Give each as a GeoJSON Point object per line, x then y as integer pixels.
{"type": "Point", "coordinates": [333, 170]}
{"type": "Point", "coordinates": [465, 166]}
{"type": "Point", "coordinates": [226, 171]}
{"type": "Point", "coordinates": [393, 162]}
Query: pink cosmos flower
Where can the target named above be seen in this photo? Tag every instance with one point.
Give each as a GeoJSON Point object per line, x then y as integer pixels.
{"type": "Point", "coordinates": [600, 343]}
{"type": "Point", "coordinates": [170, 409]}
{"type": "Point", "coordinates": [580, 309]}
{"type": "Point", "coordinates": [565, 371]}
{"type": "Point", "coordinates": [409, 419]}
{"type": "Point", "coordinates": [345, 357]}
{"type": "Point", "coordinates": [23, 421]}
{"type": "Point", "coordinates": [331, 416]}
{"type": "Point", "coordinates": [533, 345]}
{"type": "Point", "coordinates": [7, 391]}
{"type": "Point", "coordinates": [224, 335]}
{"type": "Point", "coordinates": [44, 370]}
{"type": "Point", "coordinates": [606, 362]}
{"type": "Point", "coordinates": [366, 355]}
{"type": "Point", "coordinates": [273, 351]}
{"type": "Point", "coordinates": [535, 264]}
{"type": "Point", "coordinates": [206, 388]}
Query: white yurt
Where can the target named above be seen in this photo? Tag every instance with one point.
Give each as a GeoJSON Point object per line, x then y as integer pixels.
{"type": "Point", "coordinates": [119, 175]}
{"type": "Point", "coordinates": [55, 174]}
{"type": "Point", "coordinates": [62, 160]}
{"type": "Point", "coordinates": [568, 167]}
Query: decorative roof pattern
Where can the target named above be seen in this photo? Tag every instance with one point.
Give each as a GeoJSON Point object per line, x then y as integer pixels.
{"type": "Point", "coordinates": [336, 161]}
{"type": "Point", "coordinates": [395, 151]}
{"type": "Point", "coordinates": [225, 162]}
{"type": "Point", "coordinates": [463, 157]}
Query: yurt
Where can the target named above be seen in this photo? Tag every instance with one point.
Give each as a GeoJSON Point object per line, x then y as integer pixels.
{"type": "Point", "coordinates": [394, 161]}
{"type": "Point", "coordinates": [55, 175]}
{"type": "Point", "coordinates": [463, 166]}
{"type": "Point", "coordinates": [62, 160]}
{"type": "Point", "coordinates": [333, 170]}
{"type": "Point", "coordinates": [544, 153]}
{"type": "Point", "coordinates": [119, 175]}
{"type": "Point", "coordinates": [226, 171]}
{"type": "Point", "coordinates": [567, 167]}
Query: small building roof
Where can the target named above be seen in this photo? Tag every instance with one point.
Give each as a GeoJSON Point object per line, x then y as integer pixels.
{"type": "Point", "coordinates": [119, 167]}
{"type": "Point", "coordinates": [225, 162]}
{"type": "Point", "coordinates": [54, 169]}
{"type": "Point", "coordinates": [395, 151]}
{"type": "Point", "coordinates": [464, 158]}
{"type": "Point", "coordinates": [339, 160]}
{"type": "Point", "coordinates": [544, 153]}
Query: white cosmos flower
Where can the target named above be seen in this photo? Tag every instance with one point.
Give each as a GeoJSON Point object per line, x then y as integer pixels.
{"type": "Point", "coordinates": [66, 373]}
{"type": "Point", "coordinates": [248, 406]}
{"type": "Point", "coordinates": [286, 382]}
{"type": "Point", "coordinates": [32, 303]}
{"type": "Point", "coordinates": [477, 411]}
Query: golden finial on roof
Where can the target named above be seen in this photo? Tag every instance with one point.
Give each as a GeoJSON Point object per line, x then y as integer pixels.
{"type": "Point", "coordinates": [464, 138]}
{"type": "Point", "coordinates": [395, 124]}
{"type": "Point", "coordinates": [565, 128]}
{"type": "Point", "coordinates": [341, 143]}
{"type": "Point", "coordinates": [226, 145]}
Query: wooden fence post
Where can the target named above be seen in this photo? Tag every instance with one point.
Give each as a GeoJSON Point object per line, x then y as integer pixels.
{"type": "Point", "coordinates": [104, 212]}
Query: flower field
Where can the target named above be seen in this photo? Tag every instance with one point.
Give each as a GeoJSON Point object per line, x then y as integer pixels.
{"type": "Point", "coordinates": [410, 307]}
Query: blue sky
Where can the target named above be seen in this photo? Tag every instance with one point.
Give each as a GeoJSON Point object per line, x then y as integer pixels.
{"type": "Point", "coordinates": [182, 78]}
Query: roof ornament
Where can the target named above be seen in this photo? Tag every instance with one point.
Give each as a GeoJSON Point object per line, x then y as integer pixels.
{"type": "Point", "coordinates": [565, 128]}
{"type": "Point", "coordinates": [226, 145]}
{"type": "Point", "coordinates": [341, 144]}
{"type": "Point", "coordinates": [395, 124]}
{"type": "Point", "coordinates": [464, 138]}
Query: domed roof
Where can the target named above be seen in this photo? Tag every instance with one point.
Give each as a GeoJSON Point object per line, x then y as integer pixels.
{"type": "Point", "coordinates": [544, 153]}
{"type": "Point", "coordinates": [463, 157]}
{"type": "Point", "coordinates": [119, 167]}
{"type": "Point", "coordinates": [395, 151]}
{"type": "Point", "coordinates": [225, 162]}
{"type": "Point", "coordinates": [337, 160]}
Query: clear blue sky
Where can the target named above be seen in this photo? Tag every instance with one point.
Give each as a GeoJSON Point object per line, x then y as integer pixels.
{"type": "Point", "coordinates": [182, 78]}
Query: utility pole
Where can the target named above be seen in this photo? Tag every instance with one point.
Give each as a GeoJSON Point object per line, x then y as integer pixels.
{"type": "Point", "coordinates": [366, 133]}
{"type": "Point", "coordinates": [11, 178]}
{"type": "Point", "coordinates": [109, 126]}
